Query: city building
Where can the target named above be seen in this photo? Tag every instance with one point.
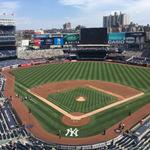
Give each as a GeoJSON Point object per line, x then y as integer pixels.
{"type": "Point", "coordinates": [67, 26]}
{"type": "Point", "coordinates": [117, 20]}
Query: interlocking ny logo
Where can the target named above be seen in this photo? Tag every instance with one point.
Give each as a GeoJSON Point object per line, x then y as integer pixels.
{"type": "Point", "coordinates": [72, 132]}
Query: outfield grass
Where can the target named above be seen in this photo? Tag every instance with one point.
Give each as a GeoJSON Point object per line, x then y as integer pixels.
{"type": "Point", "coordinates": [50, 119]}
{"type": "Point", "coordinates": [93, 100]}
{"type": "Point", "coordinates": [132, 76]}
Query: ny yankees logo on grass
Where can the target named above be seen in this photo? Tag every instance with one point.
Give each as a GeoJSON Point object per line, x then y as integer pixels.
{"type": "Point", "coordinates": [72, 132]}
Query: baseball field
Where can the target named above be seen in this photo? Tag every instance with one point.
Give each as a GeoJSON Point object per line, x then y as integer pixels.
{"type": "Point", "coordinates": [54, 91]}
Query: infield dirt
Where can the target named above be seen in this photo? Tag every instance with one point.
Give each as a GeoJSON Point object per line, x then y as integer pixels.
{"type": "Point", "coordinates": [114, 89]}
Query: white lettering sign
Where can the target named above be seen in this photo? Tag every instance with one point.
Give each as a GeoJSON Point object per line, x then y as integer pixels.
{"type": "Point", "coordinates": [72, 132]}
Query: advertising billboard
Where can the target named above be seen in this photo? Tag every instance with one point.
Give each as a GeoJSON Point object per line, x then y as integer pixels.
{"type": "Point", "coordinates": [58, 41]}
{"type": "Point", "coordinates": [93, 36]}
{"type": "Point", "coordinates": [71, 38]}
{"type": "Point", "coordinates": [135, 37]}
{"type": "Point", "coordinates": [39, 36]}
{"type": "Point", "coordinates": [116, 38]}
{"type": "Point", "coordinates": [25, 43]}
{"type": "Point", "coordinates": [49, 41]}
{"type": "Point", "coordinates": [37, 42]}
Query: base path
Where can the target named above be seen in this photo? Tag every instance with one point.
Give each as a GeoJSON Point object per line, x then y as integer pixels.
{"type": "Point", "coordinates": [72, 117]}
{"type": "Point", "coordinates": [108, 88]}
{"type": "Point", "coordinates": [54, 106]}
{"type": "Point", "coordinates": [117, 89]}
{"type": "Point", "coordinates": [39, 132]}
{"type": "Point", "coordinates": [107, 92]}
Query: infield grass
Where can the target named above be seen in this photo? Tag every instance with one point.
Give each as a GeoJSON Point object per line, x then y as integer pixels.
{"type": "Point", "coordinates": [93, 100]}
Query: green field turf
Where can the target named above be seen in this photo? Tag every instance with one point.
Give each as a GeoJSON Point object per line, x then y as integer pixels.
{"type": "Point", "coordinates": [50, 119]}
{"type": "Point", "coordinates": [93, 100]}
{"type": "Point", "coordinates": [132, 76]}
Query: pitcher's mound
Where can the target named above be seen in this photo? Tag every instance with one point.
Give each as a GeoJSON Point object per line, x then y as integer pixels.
{"type": "Point", "coordinates": [67, 121]}
{"type": "Point", "coordinates": [80, 99]}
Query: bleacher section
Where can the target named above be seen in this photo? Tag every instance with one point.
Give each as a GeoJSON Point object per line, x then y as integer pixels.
{"type": "Point", "coordinates": [13, 62]}
{"type": "Point", "coordinates": [91, 54]}
{"type": "Point", "coordinates": [17, 62]}
{"type": "Point", "coordinates": [2, 83]}
{"type": "Point", "coordinates": [139, 60]}
{"type": "Point", "coordinates": [146, 53]}
{"type": "Point", "coordinates": [129, 54]}
{"type": "Point", "coordinates": [142, 130]}
{"type": "Point", "coordinates": [7, 53]}
{"type": "Point", "coordinates": [8, 125]}
{"type": "Point", "coordinates": [7, 113]}
{"type": "Point", "coordinates": [35, 54]}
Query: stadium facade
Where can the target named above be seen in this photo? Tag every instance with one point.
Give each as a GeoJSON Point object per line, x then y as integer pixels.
{"type": "Point", "coordinates": [7, 38]}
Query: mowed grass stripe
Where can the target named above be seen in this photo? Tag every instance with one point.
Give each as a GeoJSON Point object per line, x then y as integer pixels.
{"type": "Point", "coordinates": [118, 74]}
{"type": "Point", "coordinates": [67, 100]}
{"type": "Point", "coordinates": [134, 73]}
{"type": "Point", "coordinates": [70, 71]}
{"type": "Point", "coordinates": [81, 71]}
{"type": "Point", "coordinates": [143, 78]}
{"type": "Point", "coordinates": [47, 73]}
{"type": "Point", "coordinates": [32, 71]}
{"type": "Point", "coordinates": [86, 72]}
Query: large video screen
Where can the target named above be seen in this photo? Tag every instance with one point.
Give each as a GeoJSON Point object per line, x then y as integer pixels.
{"type": "Point", "coordinates": [93, 36]}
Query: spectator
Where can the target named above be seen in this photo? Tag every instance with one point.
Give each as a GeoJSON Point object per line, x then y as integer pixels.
{"type": "Point", "coordinates": [141, 122]}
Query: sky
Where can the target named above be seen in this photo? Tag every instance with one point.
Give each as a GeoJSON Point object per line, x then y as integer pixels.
{"type": "Point", "coordinates": [46, 14]}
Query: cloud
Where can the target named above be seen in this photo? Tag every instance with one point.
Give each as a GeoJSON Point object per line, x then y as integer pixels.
{"type": "Point", "coordinates": [92, 11]}
{"type": "Point", "coordinates": [9, 6]}
{"type": "Point", "coordinates": [90, 4]}
{"type": "Point", "coordinates": [87, 12]}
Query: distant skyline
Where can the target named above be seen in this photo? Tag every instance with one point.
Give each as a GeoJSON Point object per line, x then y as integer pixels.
{"type": "Point", "coordinates": [46, 14]}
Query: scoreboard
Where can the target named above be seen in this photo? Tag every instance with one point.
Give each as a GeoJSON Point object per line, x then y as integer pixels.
{"type": "Point", "coordinates": [93, 36]}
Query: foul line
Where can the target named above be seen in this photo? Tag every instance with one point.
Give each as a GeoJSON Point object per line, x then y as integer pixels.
{"type": "Point", "coordinates": [110, 106]}
{"type": "Point", "coordinates": [72, 117]}
{"type": "Point", "coordinates": [104, 91]}
{"type": "Point", "coordinates": [54, 106]}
